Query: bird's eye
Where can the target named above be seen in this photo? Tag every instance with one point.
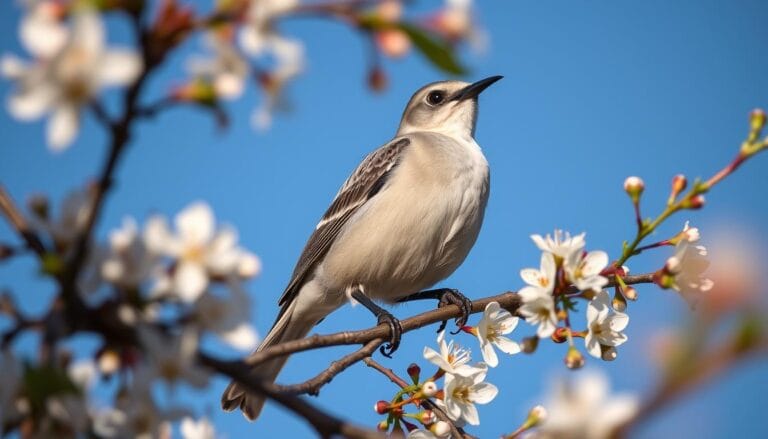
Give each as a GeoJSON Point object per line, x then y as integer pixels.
{"type": "Point", "coordinates": [435, 97]}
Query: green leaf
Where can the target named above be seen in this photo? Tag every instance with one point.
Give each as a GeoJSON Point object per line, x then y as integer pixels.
{"type": "Point", "coordinates": [43, 382]}
{"type": "Point", "coordinates": [437, 51]}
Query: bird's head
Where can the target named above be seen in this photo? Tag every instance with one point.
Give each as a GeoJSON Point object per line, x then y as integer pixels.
{"type": "Point", "coordinates": [447, 106]}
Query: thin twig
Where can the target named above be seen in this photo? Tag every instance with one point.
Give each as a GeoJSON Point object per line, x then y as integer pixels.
{"type": "Point", "coordinates": [426, 404]}
{"type": "Point", "coordinates": [19, 223]}
{"type": "Point", "coordinates": [313, 385]}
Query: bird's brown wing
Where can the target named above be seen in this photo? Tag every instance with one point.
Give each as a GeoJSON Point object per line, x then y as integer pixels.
{"type": "Point", "coordinates": [365, 182]}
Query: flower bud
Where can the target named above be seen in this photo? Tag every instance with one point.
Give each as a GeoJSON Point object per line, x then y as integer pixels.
{"type": "Point", "coordinates": [393, 42]}
{"type": "Point", "coordinates": [381, 407]}
{"type": "Point", "coordinates": [630, 293]}
{"type": "Point", "coordinates": [414, 371]}
{"type": "Point", "coordinates": [673, 265]}
{"type": "Point", "coordinates": [390, 10]}
{"type": "Point", "coordinates": [108, 362]}
{"type": "Point", "coordinates": [440, 429]}
{"type": "Point", "coordinates": [429, 389]}
{"type": "Point", "coordinates": [696, 202]}
{"type": "Point", "coordinates": [427, 417]}
{"type": "Point", "coordinates": [382, 426]}
{"type": "Point", "coordinates": [619, 302]}
{"type": "Point", "coordinates": [757, 119]}
{"type": "Point", "coordinates": [560, 335]}
{"type": "Point", "coordinates": [248, 266]}
{"type": "Point", "coordinates": [377, 79]}
{"type": "Point", "coordinates": [530, 344]}
{"type": "Point", "coordinates": [608, 353]}
{"type": "Point", "coordinates": [536, 416]}
{"type": "Point", "coordinates": [634, 187]}
{"type": "Point", "coordinates": [574, 359]}
{"type": "Point", "coordinates": [679, 183]}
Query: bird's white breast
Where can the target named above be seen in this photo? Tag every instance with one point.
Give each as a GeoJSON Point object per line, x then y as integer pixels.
{"type": "Point", "coordinates": [419, 228]}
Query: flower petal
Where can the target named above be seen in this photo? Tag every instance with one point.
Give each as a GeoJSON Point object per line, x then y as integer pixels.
{"type": "Point", "coordinates": [195, 224]}
{"type": "Point", "coordinates": [507, 346]}
{"type": "Point", "coordinates": [190, 281]}
{"type": "Point", "coordinates": [618, 321]}
{"type": "Point", "coordinates": [489, 354]}
{"type": "Point", "coordinates": [483, 393]}
{"type": "Point", "coordinates": [62, 127]}
{"type": "Point", "coordinates": [118, 67]}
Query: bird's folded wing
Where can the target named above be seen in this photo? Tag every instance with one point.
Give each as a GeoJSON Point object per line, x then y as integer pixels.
{"type": "Point", "coordinates": [365, 182]}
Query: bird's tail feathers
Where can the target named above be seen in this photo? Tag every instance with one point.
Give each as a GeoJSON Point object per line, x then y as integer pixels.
{"type": "Point", "coordinates": [286, 328]}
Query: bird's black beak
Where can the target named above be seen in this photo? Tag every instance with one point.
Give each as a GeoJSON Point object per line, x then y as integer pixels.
{"type": "Point", "coordinates": [472, 90]}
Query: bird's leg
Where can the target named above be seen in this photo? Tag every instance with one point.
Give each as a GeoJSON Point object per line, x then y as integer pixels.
{"type": "Point", "coordinates": [383, 316]}
{"type": "Point", "coordinates": [446, 296]}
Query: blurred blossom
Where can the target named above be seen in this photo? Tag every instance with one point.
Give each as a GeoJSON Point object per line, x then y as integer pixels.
{"type": "Point", "coordinates": [136, 415]}
{"type": "Point", "coordinates": [538, 308]}
{"type": "Point", "coordinates": [172, 358]}
{"type": "Point", "coordinates": [83, 373]}
{"type": "Point", "coordinates": [735, 271]}
{"type": "Point", "coordinates": [258, 37]}
{"type": "Point", "coordinates": [199, 251]}
{"type": "Point", "coordinates": [455, 22]}
{"type": "Point", "coordinates": [544, 278]}
{"type": "Point", "coordinates": [584, 409]}
{"type": "Point", "coordinates": [70, 410]}
{"type": "Point", "coordinates": [687, 266]}
{"type": "Point", "coordinates": [604, 325]}
{"type": "Point", "coordinates": [42, 30]}
{"type": "Point", "coordinates": [452, 358]}
{"type": "Point", "coordinates": [200, 429]}
{"type": "Point", "coordinates": [69, 79]}
{"type": "Point", "coordinates": [228, 318]}
{"type": "Point", "coordinates": [495, 323]}
{"type": "Point", "coordinates": [129, 262]}
{"type": "Point", "coordinates": [73, 216]}
{"type": "Point", "coordinates": [392, 42]}
{"type": "Point", "coordinates": [226, 69]}
{"type": "Point", "coordinates": [463, 392]}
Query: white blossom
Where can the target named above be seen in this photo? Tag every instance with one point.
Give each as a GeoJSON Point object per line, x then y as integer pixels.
{"type": "Point", "coordinates": [544, 277]}
{"type": "Point", "coordinates": [62, 84]}
{"type": "Point", "coordinates": [688, 266]}
{"type": "Point", "coordinates": [691, 234]}
{"type": "Point", "coordinates": [463, 392]}
{"type": "Point", "coordinates": [199, 250]}
{"type": "Point", "coordinates": [228, 318]}
{"type": "Point", "coordinates": [227, 69]}
{"type": "Point", "coordinates": [172, 358]}
{"type": "Point", "coordinates": [604, 325]}
{"type": "Point", "coordinates": [42, 30]}
{"type": "Point", "coordinates": [538, 308]}
{"type": "Point", "coordinates": [490, 332]}
{"type": "Point", "coordinates": [584, 270]}
{"type": "Point", "coordinates": [561, 244]}
{"type": "Point", "coordinates": [200, 429]}
{"type": "Point", "coordinates": [584, 409]}
{"type": "Point", "coordinates": [452, 358]}
{"type": "Point", "coordinates": [129, 262]}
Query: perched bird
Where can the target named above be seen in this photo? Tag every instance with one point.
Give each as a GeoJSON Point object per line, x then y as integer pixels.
{"type": "Point", "coordinates": [404, 220]}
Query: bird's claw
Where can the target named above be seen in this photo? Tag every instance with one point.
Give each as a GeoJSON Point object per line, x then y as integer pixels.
{"type": "Point", "coordinates": [454, 297]}
{"type": "Point", "coordinates": [395, 333]}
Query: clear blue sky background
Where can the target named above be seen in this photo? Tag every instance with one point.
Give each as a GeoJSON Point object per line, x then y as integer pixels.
{"type": "Point", "coordinates": [593, 91]}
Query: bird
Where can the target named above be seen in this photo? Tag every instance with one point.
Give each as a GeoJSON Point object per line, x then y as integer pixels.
{"type": "Point", "coordinates": [405, 219]}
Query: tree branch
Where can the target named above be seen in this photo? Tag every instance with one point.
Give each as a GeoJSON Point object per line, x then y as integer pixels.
{"type": "Point", "coordinates": [509, 301]}
{"type": "Point", "coordinates": [19, 223]}
{"type": "Point", "coordinates": [312, 386]}
{"type": "Point", "coordinates": [326, 425]}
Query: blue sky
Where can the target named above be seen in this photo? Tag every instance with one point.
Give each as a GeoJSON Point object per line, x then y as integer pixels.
{"type": "Point", "coordinates": [593, 92]}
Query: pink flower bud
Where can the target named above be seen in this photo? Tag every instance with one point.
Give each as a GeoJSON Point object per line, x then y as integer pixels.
{"type": "Point", "coordinates": [414, 371]}
{"type": "Point", "coordinates": [381, 407]}
{"type": "Point", "coordinates": [630, 293]}
{"type": "Point", "coordinates": [393, 42]}
{"type": "Point", "coordinates": [679, 183]}
{"type": "Point", "coordinates": [377, 79]}
{"type": "Point", "coordinates": [697, 202]}
{"type": "Point", "coordinates": [537, 415]}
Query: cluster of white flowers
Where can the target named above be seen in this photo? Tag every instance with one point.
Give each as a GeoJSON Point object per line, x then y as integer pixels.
{"type": "Point", "coordinates": [564, 262]}
{"type": "Point", "coordinates": [688, 264]}
{"type": "Point", "coordinates": [70, 66]}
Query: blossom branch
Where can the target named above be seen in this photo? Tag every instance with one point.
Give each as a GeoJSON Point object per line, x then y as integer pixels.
{"type": "Point", "coordinates": [509, 301]}
{"type": "Point", "coordinates": [426, 404]}
{"type": "Point", "coordinates": [19, 223]}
